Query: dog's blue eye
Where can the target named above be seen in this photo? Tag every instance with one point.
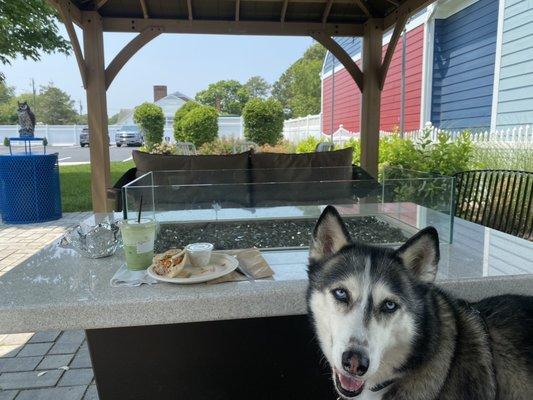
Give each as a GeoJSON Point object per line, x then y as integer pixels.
{"type": "Point", "coordinates": [340, 295]}
{"type": "Point", "coordinates": [389, 306]}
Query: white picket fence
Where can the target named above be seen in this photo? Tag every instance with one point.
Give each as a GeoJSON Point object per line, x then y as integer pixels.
{"type": "Point", "coordinates": [522, 134]}
{"type": "Point", "coordinates": [69, 135]}
{"type": "Point", "coordinates": [298, 129]}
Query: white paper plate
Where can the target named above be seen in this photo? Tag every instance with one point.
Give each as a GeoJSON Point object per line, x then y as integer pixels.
{"type": "Point", "coordinates": [222, 263]}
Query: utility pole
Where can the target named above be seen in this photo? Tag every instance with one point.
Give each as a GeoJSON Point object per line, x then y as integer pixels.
{"type": "Point", "coordinates": [81, 107]}
{"type": "Point", "coordinates": [34, 96]}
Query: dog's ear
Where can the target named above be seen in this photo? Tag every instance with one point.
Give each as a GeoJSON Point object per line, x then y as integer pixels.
{"type": "Point", "coordinates": [329, 236]}
{"type": "Point", "coordinates": [421, 254]}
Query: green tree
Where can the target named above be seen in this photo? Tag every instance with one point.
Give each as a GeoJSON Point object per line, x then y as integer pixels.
{"type": "Point", "coordinates": [6, 92]}
{"type": "Point", "coordinates": [181, 112]}
{"type": "Point", "coordinates": [200, 125]}
{"type": "Point", "coordinates": [29, 28]}
{"type": "Point", "coordinates": [151, 120]}
{"type": "Point", "coordinates": [55, 107]}
{"type": "Point", "coordinates": [298, 88]}
{"type": "Point", "coordinates": [263, 121]}
{"type": "Point", "coordinates": [112, 120]}
{"type": "Point", "coordinates": [227, 97]}
{"type": "Point", "coordinates": [258, 87]}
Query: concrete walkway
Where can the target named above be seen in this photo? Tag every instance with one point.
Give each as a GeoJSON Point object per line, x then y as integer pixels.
{"type": "Point", "coordinates": [42, 365]}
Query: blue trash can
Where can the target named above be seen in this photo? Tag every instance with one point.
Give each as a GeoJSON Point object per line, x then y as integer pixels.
{"type": "Point", "coordinates": [29, 187]}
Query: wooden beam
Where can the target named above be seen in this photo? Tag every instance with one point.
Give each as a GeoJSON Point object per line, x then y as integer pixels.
{"type": "Point", "coordinates": [232, 27]}
{"type": "Point", "coordinates": [408, 7]}
{"type": "Point", "coordinates": [127, 52]}
{"type": "Point", "coordinates": [93, 40]}
{"type": "Point", "coordinates": [73, 11]}
{"type": "Point", "coordinates": [327, 10]}
{"type": "Point", "coordinates": [145, 9]}
{"type": "Point", "coordinates": [342, 56]}
{"type": "Point", "coordinates": [284, 10]}
{"type": "Point", "coordinates": [394, 2]}
{"type": "Point", "coordinates": [189, 9]}
{"type": "Point", "coordinates": [371, 96]}
{"type": "Point", "coordinates": [237, 10]}
{"type": "Point", "coordinates": [398, 29]}
{"type": "Point", "coordinates": [363, 8]}
{"type": "Point", "coordinates": [67, 20]}
{"type": "Point", "coordinates": [100, 4]}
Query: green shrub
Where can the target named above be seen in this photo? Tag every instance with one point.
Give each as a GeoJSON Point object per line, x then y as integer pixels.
{"type": "Point", "coordinates": [151, 120]}
{"type": "Point", "coordinates": [263, 121]}
{"type": "Point", "coordinates": [6, 142]}
{"type": "Point", "coordinates": [308, 145]}
{"type": "Point", "coordinates": [219, 146]}
{"type": "Point", "coordinates": [283, 146]}
{"type": "Point", "coordinates": [200, 125]}
{"type": "Point", "coordinates": [355, 144]}
{"type": "Point", "coordinates": [178, 118]}
{"type": "Point", "coordinates": [503, 155]}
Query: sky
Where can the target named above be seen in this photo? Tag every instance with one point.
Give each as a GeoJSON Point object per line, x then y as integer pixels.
{"type": "Point", "coordinates": [185, 63]}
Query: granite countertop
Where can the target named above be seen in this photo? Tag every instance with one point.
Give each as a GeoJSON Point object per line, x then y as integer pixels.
{"type": "Point", "coordinates": [58, 289]}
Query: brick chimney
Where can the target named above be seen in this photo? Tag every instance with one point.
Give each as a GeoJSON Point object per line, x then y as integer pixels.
{"type": "Point", "coordinates": [160, 91]}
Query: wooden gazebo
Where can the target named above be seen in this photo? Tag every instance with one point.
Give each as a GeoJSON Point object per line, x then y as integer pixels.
{"type": "Point", "coordinates": [320, 19]}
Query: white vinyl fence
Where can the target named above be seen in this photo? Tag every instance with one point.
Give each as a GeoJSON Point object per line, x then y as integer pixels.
{"type": "Point", "coordinates": [522, 134]}
{"type": "Point", "coordinates": [298, 129]}
{"type": "Point", "coordinates": [69, 135]}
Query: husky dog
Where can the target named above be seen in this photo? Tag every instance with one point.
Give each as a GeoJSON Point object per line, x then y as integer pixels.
{"type": "Point", "coordinates": [389, 333]}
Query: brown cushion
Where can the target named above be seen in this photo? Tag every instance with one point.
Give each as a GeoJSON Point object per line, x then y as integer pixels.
{"type": "Point", "coordinates": [337, 158]}
{"type": "Point", "coordinates": [146, 162]}
{"type": "Point", "coordinates": [278, 167]}
{"type": "Point", "coordinates": [334, 166]}
{"type": "Point", "coordinates": [194, 170]}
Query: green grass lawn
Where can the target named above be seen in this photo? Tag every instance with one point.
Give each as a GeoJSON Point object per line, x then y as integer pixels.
{"type": "Point", "coordinates": [76, 184]}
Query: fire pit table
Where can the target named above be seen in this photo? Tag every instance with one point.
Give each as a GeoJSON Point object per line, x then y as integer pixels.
{"type": "Point", "coordinates": [235, 340]}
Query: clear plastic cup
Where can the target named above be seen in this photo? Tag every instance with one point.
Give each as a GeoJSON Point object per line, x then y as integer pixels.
{"type": "Point", "coordinates": [138, 239]}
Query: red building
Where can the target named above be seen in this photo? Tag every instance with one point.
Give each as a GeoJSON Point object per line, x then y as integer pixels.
{"type": "Point", "coordinates": [341, 98]}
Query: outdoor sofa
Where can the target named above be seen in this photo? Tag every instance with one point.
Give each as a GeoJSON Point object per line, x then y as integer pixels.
{"type": "Point", "coordinates": [248, 179]}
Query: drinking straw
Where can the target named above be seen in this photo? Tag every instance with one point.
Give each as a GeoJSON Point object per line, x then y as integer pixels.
{"type": "Point", "coordinates": [140, 210]}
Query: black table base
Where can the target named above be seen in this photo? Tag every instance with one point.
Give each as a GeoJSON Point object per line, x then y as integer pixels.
{"type": "Point", "coordinates": [253, 359]}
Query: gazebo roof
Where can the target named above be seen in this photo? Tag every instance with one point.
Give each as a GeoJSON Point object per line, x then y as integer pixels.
{"type": "Point", "coordinates": [251, 17]}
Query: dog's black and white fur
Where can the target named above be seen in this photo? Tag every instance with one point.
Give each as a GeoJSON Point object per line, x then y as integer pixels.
{"type": "Point", "coordinates": [389, 333]}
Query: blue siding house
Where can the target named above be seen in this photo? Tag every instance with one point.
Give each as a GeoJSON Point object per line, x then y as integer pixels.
{"type": "Point", "coordinates": [515, 85]}
{"type": "Point", "coordinates": [463, 67]}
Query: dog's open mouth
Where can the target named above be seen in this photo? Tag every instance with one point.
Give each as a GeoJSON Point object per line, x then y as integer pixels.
{"type": "Point", "coordinates": [348, 385]}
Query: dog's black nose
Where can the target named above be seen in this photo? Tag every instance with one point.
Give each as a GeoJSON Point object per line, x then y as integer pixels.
{"type": "Point", "coordinates": [355, 362]}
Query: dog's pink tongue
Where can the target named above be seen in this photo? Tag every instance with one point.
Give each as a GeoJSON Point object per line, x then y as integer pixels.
{"type": "Point", "coordinates": [350, 383]}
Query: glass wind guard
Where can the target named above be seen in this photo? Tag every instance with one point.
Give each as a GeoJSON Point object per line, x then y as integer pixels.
{"type": "Point", "coordinates": [277, 208]}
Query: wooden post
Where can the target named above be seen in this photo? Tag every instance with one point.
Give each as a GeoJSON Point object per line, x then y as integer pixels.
{"type": "Point", "coordinates": [93, 41]}
{"type": "Point", "coordinates": [371, 95]}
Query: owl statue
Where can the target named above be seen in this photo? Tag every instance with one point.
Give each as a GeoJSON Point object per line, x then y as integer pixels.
{"type": "Point", "coordinates": [26, 120]}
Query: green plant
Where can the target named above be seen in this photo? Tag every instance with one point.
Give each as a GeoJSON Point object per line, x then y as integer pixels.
{"type": "Point", "coordinates": [6, 142]}
{"type": "Point", "coordinates": [151, 120]}
{"type": "Point", "coordinates": [178, 118]}
{"type": "Point", "coordinates": [503, 155]}
{"type": "Point", "coordinates": [355, 144]}
{"type": "Point", "coordinates": [163, 148]}
{"type": "Point", "coordinates": [308, 145]}
{"type": "Point", "coordinates": [263, 121]}
{"type": "Point", "coordinates": [200, 125]}
{"type": "Point", "coordinates": [283, 146]}
{"type": "Point", "coordinates": [219, 146]}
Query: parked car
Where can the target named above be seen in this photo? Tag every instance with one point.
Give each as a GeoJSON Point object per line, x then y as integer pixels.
{"type": "Point", "coordinates": [129, 135]}
{"type": "Point", "coordinates": [84, 137]}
